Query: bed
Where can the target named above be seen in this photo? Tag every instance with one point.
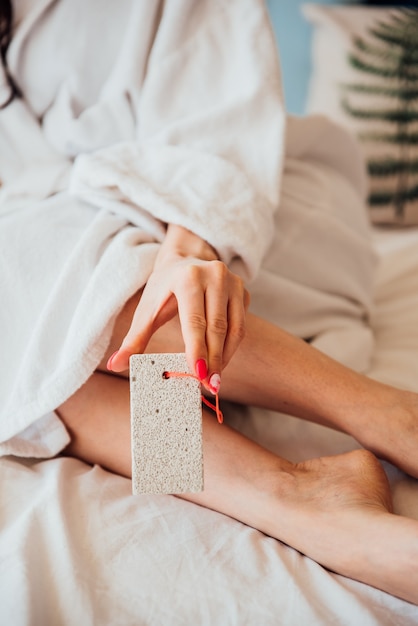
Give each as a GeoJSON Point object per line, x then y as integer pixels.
{"type": "Point", "coordinates": [77, 548]}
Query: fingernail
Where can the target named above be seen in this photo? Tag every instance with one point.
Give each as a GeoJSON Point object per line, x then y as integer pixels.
{"type": "Point", "coordinates": [214, 383]}
{"type": "Point", "coordinates": [201, 369]}
{"type": "Point", "coordinates": [109, 363]}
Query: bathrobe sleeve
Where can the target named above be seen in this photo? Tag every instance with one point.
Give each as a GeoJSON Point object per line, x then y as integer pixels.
{"type": "Point", "coordinates": [209, 132]}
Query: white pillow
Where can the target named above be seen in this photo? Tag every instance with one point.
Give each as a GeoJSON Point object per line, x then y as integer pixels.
{"type": "Point", "coordinates": [338, 32]}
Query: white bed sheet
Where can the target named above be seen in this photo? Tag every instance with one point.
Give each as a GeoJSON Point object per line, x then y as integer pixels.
{"type": "Point", "coordinates": [77, 548]}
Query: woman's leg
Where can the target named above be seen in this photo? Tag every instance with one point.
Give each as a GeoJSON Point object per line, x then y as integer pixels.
{"type": "Point", "coordinates": [333, 509]}
{"type": "Point", "coordinates": [275, 370]}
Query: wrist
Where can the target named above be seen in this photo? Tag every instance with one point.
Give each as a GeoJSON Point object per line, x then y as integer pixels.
{"type": "Point", "coordinates": [181, 242]}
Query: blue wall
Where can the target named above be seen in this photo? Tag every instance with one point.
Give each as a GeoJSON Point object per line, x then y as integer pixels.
{"type": "Point", "coordinates": [293, 36]}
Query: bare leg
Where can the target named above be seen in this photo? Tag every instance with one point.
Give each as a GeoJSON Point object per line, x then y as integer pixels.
{"type": "Point", "coordinates": [275, 370]}
{"type": "Point", "coordinates": [336, 510]}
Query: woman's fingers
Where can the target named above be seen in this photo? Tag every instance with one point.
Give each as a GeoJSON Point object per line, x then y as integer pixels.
{"type": "Point", "coordinates": [202, 297]}
{"type": "Point", "coordinates": [211, 302]}
{"type": "Point", "coordinates": [190, 295]}
{"type": "Point", "coordinates": [237, 309]}
{"type": "Point", "coordinates": [217, 298]}
{"type": "Point", "coordinates": [212, 319]}
{"type": "Point", "coordinates": [149, 315]}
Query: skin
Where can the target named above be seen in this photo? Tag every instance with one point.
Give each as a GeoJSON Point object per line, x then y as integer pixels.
{"type": "Point", "coordinates": [211, 302]}
{"type": "Point", "coordinates": [337, 510]}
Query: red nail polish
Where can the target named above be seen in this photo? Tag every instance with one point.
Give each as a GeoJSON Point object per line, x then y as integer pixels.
{"type": "Point", "coordinates": [214, 383]}
{"type": "Point", "coordinates": [201, 369]}
{"type": "Point", "coordinates": [109, 363]}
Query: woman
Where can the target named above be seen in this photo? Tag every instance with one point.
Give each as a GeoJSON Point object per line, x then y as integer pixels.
{"type": "Point", "coordinates": [141, 172]}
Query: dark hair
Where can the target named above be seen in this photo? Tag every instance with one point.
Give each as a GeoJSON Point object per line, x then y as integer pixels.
{"type": "Point", "coordinates": [6, 23]}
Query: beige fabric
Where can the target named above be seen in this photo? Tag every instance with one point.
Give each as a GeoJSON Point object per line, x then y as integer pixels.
{"type": "Point", "coordinates": [318, 275]}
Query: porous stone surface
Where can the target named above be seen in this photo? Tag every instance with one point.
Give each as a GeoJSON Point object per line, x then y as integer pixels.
{"type": "Point", "coordinates": [166, 426]}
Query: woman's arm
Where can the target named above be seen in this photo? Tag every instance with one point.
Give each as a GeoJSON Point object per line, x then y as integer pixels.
{"type": "Point", "coordinates": [211, 301]}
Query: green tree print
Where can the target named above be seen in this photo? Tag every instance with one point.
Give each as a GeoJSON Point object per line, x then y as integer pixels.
{"type": "Point", "coordinates": [389, 56]}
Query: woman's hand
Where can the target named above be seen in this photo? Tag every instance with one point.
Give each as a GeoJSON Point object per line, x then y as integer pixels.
{"type": "Point", "coordinates": [210, 300]}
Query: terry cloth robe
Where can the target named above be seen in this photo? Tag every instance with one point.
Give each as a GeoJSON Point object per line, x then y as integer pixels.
{"type": "Point", "coordinates": [136, 114]}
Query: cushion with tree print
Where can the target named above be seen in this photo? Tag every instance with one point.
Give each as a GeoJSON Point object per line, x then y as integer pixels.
{"type": "Point", "coordinates": [365, 76]}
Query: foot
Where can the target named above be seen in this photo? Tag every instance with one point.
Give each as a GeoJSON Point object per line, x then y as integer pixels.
{"type": "Point", "coordinates": [337, 511]}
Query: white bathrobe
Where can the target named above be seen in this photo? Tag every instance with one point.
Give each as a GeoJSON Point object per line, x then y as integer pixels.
{"type": "Point", "coordinates": [136, 114]}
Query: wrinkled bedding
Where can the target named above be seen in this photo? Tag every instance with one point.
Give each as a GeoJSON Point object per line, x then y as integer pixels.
{"type": "Point", "coordinates": [77, 548]}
